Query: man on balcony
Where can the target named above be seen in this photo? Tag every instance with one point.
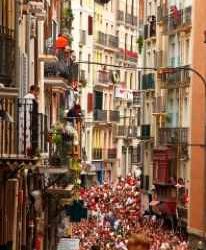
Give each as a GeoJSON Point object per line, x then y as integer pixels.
{"type": "Point", "coordinates": [28, 122]}
{"type": "Point", "coordinates": [33, 93]}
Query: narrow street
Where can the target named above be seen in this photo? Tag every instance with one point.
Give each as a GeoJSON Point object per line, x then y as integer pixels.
{"type": "Point", "coordinates": [114, 214]}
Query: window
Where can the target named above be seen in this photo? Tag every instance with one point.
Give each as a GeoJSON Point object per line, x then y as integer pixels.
{"type": "Point", "coordinates": [98, 100]}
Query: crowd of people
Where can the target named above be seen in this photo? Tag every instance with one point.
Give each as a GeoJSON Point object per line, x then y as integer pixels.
{"type": "Point", "coordinates": [114, 215]}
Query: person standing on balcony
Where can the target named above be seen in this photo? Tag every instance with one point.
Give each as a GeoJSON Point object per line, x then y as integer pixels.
{"type": "Point", "coordinates": [28, 122]}
{"type": "Point", "coordinates": [33, 93]}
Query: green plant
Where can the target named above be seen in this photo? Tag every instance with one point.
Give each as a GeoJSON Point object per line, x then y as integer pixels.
{"type": "Point", "coordinates": [68, 13]}
{"type": "Point", "coordinates": [168, 118]}
{"type": "Point", "coordinates": [140, 42]}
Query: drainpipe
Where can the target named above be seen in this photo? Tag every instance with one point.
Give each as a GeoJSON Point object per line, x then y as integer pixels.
{"type": "Point", "coordinates": [17, 54]}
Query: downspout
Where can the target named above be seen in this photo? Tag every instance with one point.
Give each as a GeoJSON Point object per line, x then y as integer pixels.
{"type": "Point", "coordinates": [17, 52]}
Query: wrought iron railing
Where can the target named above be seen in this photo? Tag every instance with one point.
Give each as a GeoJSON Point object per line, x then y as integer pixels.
{"type": "Point", "coordinates": [174, 79]}
{"type": "Point", "coordinates": [104, 77]}
{"type": "Point", "coordinates": [159, 105]}
{"type": "Point", "coordinates": [23, 131]}
{"type": "Point", "coordinates": [120, 15]}
{"type": "Point", "coordinates": [100, 115]}
{"type": "Point", "coordinates": [112, 153]}
{"type": "Point", "coordinates": [97, 153]}
{"type": "Point", "coordinates": [114, 116]}
{"type": "Point", "coordinates": [179, 19]}
{"type": "Point", "coordinates": [173, 135]}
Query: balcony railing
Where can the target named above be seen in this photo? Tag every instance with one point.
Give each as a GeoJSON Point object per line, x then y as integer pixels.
{"type": "Point", "coordinates": [114, 116]}
{"type": "Point", "coordinates": [113, 41]}
{"type": "Point", "coordinates": [173, 135]}
{"type": "Point", "coordinates": [112, 153]}
{"type": "Point", "coordinates": [56, 69]}
{"type": "Point", "coordinates": [136, 155]}
{"type": "Point", "coordinates": [7, 56]}
{"type": "Point", "coordinates": [126, 131]}
{"type": "Point", "coordinates": [137, 98]}
{"type": "Point", "coordinates": [132, 131]}
{"type": "Point", "coordinates": [130, 19]}
{"type": "Point", "coordinates": [104, 77]}
{"type": "Point", "coordinates": [102, 38]}
{"type": "Point", "coordinates": [148, 81]}
{"type": "Point", "coordinates": [120, 15]}
{"type": "Point", "coordinates": [97, 153]}
{"type": "Point", "coordinates": [82, 37]}
{"type": "Point", "coordinates": [162, 12]}
{"type": "Point", "coordinates": [23, 130]}
{"type": "Point", "coordinates": [150, 30]}
{"type": "Point", "coordinates": [174, 79]}
{"type": "Point", "coordinates": [100, 115]}
{"type": "Point", "coordinates": [120, 131]}
{"type": "Point", "coordinates": [178, 20]}
{"type": "Point", "coordinates": [159, 59]}
{"type": "Point", "coordinates": [159, 105]}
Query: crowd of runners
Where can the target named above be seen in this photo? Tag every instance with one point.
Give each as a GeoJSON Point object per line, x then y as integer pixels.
{"type": "Point", "coordinates": [114, 214]}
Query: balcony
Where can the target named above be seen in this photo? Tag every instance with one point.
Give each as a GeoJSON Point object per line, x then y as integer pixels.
{"type": "Point", "coordinates": [180, 20]}
{"type": "Point", "coordinates": [114, 116]}
{"type": "Point", "coordinates": [56, 69]}
{"type": "Point", "coordinates": [164, 167]}
{"type": "Point", "coordinates": [148, 81]}
{"type": "Point", "coordinates": [23, 130]}
{"type": "Point", "coordinates": [170, 79]}
{"type": "Point", "coordinates": [137, 98]}
{"type": "Point", "coordinates": [173, 136]}
{"type": "Point", "coordinates": [102, 38]}
{"type": "Point", "coordinates": [100, 115]}
{"type": "Point", "coordinates": [150, 29]}
{"type": "Point", "coordinates": [159, 59]}
{"type": "Point", "coordinates": [82, 39]}
{"type": "Point", "coordinates": [132, 132]}
{"type": "Point", "coordinates": [130, 19]}
{"type": "Point", "coordinates": [162, 12]}
{"type": "Point", "coordinates": [104, 77]}
{"type": "Point", "coordinates": [136, 155]}
{"type": "Point", "coordinates": [112, 153]}
{"type": "Point", "coordinates": [97, 153]}
{"type": "Point", "coordinates": [120, 15]}
{"type": "Point", "coordinates": [120, 131]}
{"type": "Point", "coordinates": [113, 41]}
{"type": "Point", "coordinates": [7, 56]}
{"type": "Point", "coordinates": [159, 105]}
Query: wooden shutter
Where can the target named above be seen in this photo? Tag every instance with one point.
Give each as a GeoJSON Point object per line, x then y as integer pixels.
{"type": "Point", "coordinates": [90, 25]}
{"type": "Point", "coordinates": [89, 102]}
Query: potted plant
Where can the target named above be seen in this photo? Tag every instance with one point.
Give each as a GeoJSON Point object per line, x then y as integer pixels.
{"type": "Point", "coordinates": [140, 42]}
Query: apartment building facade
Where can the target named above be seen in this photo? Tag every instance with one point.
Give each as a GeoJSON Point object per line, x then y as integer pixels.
{"type": "Point", "coordinates": [34, 53]}
{"type": "Point", "coordinates": [167, 102]}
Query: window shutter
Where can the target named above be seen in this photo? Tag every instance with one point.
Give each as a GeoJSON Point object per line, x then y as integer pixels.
{"type": "Point", "coordinates": [90, 25]}
{"type": "Point", "coordinates": [89, 102]}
